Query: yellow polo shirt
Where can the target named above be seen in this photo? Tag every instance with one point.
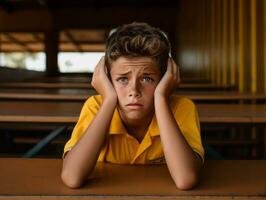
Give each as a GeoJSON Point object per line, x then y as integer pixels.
{"type": "Point", "coordinates": [122, 148]}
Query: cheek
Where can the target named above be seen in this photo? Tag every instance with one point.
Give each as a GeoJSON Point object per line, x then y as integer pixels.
{"type": "Point", "coordinates": [149, 91]}
{"type": "Point", "coordinates": [120, 90]}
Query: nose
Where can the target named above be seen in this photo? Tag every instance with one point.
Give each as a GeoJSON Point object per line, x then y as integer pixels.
{"type": "Point", "coordinates": [134, 89]}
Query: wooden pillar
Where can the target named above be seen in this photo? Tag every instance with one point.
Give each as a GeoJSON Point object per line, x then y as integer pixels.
{"type": "Point", "coordinates": [213, 42]}
{"type": "Point", "coordinates": [225, 44]}
{"type": "Point", "coordinates": [207, 39]}
{"type": "Point", "coordinates": [219, 46]}
{"type": "Point", "coordinates": [51, 49]}
{"type": "Point", "coordinates": [241, 46]}
{"type": "Point", "coordinates": [253, 46]}
{"type": "Point", "coordinates": [264, 47]}
{"type": "Point", "coordinates": [232, 43]}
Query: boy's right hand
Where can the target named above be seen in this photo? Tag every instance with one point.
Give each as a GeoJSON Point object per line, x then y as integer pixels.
{"type": "Point", "coordinates": [102, 83]}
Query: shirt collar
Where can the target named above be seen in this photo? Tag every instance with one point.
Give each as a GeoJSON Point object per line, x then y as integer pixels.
{"type": "Point", "coordinates": [153, 128]}
{"type": "Point", "coordinates": [116, 126]}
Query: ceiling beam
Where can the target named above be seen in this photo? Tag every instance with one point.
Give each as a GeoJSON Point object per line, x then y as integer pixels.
{"type": "Point", "coordinates": [15, 40]}
{"type": "Point", "coordinates": [70, 37]}
{"type": "Point", "coordinates": [36, 36]}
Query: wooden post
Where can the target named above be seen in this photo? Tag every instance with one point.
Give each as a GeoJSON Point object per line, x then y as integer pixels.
{"type": "Point", "coordinates": [224, 49]}
{"type": "Point", "coordinates": [264, 47]}
{"type": "Point", "coordinates": [232, 44]}
{"type": "Point", "coordinates": [241, 47]}
{"type": "Point", "coordinates": [253, 46]}
{"type": "Point", "coordinates": [51, 49]}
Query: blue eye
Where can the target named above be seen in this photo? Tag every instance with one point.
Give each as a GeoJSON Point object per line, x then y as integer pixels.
{"type": "Point", "coordinates": [122, 80]}
{"type": "Point", "coordinates": [147, 79]}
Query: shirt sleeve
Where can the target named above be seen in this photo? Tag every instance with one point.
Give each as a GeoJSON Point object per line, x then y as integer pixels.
{"type": "Point", "coordinates": [88, 112]}
{"type": "Point", "coordinates": [186, 115]}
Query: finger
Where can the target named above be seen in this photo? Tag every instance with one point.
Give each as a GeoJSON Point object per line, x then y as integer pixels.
{"type": "Point", "coordinates": [178, 76]}
{"type": "Point", "coordinates": [178, 72]}
{"type": "Point", "coordinates": [174, 66]}
{"type": "Point", "coordinates": [96, 70]}
{"type": "Point", "coordinates": [100, 64]}
{"type": "Point", "coordinates": [105, 69]}
{"type": "Point", "coordinates": [169, 66]}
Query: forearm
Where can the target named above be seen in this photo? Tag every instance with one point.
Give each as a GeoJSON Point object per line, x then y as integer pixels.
{"type": "Point", "coordinates": [81, 159]}
{"type": "Point", "coordinates": [181, 160]}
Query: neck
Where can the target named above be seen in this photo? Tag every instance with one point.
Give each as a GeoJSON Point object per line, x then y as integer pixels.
{"type": "Point", "coordinates": [139, 128]}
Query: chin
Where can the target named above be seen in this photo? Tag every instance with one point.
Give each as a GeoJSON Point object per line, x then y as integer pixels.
{"type": "Point", "coordinates": [134, 116]}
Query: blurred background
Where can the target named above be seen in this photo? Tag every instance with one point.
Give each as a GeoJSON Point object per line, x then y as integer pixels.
{"type": "Point", "coordinates": [49, 48]}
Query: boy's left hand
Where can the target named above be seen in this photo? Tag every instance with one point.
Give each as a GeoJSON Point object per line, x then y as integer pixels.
{"type": "Point", "coordinates": [169, 81]}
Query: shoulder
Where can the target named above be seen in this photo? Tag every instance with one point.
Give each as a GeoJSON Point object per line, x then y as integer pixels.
{"type": "Point", "coordinates": [181, 102]}
{"type": "Point", "coordinates": [184, 109]}
{"type": "Point", "coordinates": [94, 101]}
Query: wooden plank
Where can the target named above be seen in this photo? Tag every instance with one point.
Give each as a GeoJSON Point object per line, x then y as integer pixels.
{"type": "Point", "coordinates": [39, 111]}
{"type": "Point", "coordinates": [88, 86]}
{"type": "Point", "coordinates": [83, 94]}
{"type": "Point", "coordinates": [127, 198]}
{"type": "Point", "coordinates": [232, 113]}
{"type": "Point", "coordinates": [241, 46]}
{"type": "Point", "coordinates": [35, 178]}
{"type": "Point", "coordinates": [68, 112]}
{"type": "Point", "coordinates": [253, 45]}
{"type": "Point", "coordinates": [46, 94]}
{"type": "Point", "coordinates": [224, 42]}
{"type": "Point", "coordinates": [232, 44]}
{"type": "Point", "coordinates": [264, 44]}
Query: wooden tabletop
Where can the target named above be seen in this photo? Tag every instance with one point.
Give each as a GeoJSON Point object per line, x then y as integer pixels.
{"type": "Point", "coordinates": [232, 113]}
{"type": "Point", "coordinates": [87, 85]}
{"type": "Point", "coordinates": [64, 94]}
{"type": "Point", "coordinates": [68, 112]}
{"type": "Point", "coordinates": [68, 94]}
{"type": "Point", "coordinates": [241, 179]}
{"type": "Point", "coordinates": [40, 111]}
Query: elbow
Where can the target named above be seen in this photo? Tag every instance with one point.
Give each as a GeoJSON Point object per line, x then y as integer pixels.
{"type": "Point", "coordinates": [186, 183]}
{"type": "Point", "coordinates": [71, 180]}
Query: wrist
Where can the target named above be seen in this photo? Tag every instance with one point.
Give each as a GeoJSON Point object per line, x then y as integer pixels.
{"type": "Point", "coordinates": [158, 96]}
{"type": "Point", "coordinates": [110, 100]}
{"type": "Point", "coordinates": [160, 99]}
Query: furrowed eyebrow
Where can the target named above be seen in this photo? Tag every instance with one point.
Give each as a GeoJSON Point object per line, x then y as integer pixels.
{"type": "Point", "coordinates": [149, 73]}
{"type": "Point", "coordinates": [123, 74]}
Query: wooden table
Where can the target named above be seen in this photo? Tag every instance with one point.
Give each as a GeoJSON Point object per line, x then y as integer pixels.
{"type": "Point", "coordinates": [22, 114]}
{"type": "Point", "coordinates": [58, 94]}
{"type": "Point", "coordinates": [87, 85]}
{"type": "Point", "coordinates": [232, 113]}
{"type": "Point", "coordinates": [68, 112]}
{"type": "Point", "coordinates": [40, 179]}
{"type": "Point", "coordinates": [40, 111]}
{"type": "Point", "coordinates": [213, 96]}
{"type": "Point", "coordinates": [66, 94]}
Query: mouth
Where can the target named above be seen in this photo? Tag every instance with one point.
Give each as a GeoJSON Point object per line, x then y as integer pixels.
{"type": "Point", "coordinates": [134, 105]}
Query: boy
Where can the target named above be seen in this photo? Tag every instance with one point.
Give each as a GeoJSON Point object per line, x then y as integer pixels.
{"type": "Point", "coordinates": [135, 119]}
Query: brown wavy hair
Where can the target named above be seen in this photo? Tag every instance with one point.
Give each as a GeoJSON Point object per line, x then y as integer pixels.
{"type": "Point", "coordinates": [138, 40]}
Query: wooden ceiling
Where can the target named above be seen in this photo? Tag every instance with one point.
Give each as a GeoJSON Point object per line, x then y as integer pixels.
{"type": "Point", "coordinates": [69, 41]}
{"type": "Point", "coordinates": [13, 5]}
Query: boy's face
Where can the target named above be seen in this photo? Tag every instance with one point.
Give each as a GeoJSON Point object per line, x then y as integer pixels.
{"type": "Point", "coordinates": [135, 80]}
